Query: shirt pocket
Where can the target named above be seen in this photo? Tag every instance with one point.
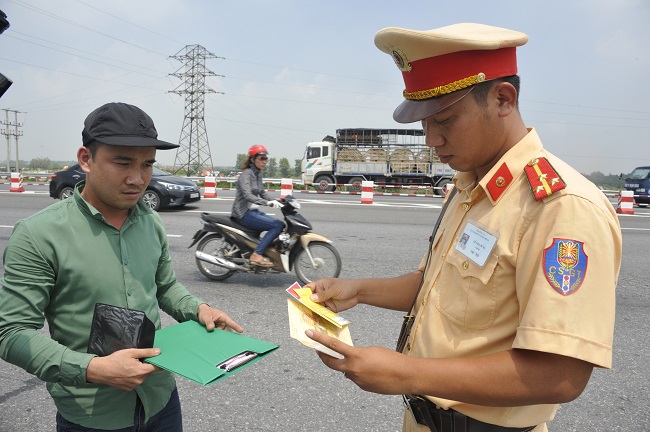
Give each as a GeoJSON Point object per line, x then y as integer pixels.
{"type": "Point", "coordinates": [467, 294]}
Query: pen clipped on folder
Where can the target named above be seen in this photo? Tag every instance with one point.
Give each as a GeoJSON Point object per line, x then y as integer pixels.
{"type": "Point", "coordinates": [238, 360]}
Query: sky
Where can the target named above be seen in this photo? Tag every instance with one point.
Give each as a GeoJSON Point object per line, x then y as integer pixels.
{"type": "Point", "coordinates": [288, 72]}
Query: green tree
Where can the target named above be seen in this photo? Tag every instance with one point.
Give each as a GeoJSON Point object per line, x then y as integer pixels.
{"type": "Point", "coordinates": [285, 168]}
{"type": "Point", "coordinates": [272, 168]}
{"type": "Point", "coordinates": [40, 164]}
{"type": "Point", "coordinates": [241, 159]}
{"type": "Point", "coordinates": [297, 170]}
{"type": "Point", "coordinates": [606, 181]}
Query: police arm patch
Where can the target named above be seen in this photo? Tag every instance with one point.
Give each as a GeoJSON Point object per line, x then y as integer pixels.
{"type": "Point", "coordinates": [565, 265]}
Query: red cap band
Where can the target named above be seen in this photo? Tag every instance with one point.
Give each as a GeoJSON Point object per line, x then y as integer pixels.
{"type": "Point", "coordinates": [435, 76]}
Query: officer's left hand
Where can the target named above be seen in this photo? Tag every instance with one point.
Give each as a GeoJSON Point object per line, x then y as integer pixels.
{"type": "Point", "coordinates": [213, 318]}
{"type": "Point", "coordinates": [374, 369]}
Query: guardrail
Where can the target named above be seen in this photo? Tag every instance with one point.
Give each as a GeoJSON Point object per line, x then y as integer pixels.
{"type": "Point", "coordinates": [43, 179]}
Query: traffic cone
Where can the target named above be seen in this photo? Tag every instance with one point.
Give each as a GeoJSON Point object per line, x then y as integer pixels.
{"type": "Point", "coordinates": [210, 187]}
{"type": "Point", "coordinates": [625, 203]}
{"type": "Point", "coordinates": [367, 188]}
{"type": "Point", "coordinates": [17, 182]}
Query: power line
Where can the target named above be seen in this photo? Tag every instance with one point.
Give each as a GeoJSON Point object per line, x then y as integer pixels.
{"type": "Point", "coordinates": [90, 29]}
{"type": "Point", "coordinates": [128, 22]}
{"type": "Point", "coordinates": [78, 55]}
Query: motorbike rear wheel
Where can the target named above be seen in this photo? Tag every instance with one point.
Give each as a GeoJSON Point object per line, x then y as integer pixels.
{"type": "Point", "coordinates": [326, 259]}
{"type": "Point", "coordinates": [214, 244]}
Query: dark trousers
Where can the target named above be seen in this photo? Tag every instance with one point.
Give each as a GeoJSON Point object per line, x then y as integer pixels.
{"type": "Point", "coordinates": [168, 419]}
{"type": "Point", "coordinates": [260, 221]}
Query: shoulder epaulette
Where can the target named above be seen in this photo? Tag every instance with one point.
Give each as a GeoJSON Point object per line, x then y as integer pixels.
{"type": "Point", "coordinates": [542, 178]}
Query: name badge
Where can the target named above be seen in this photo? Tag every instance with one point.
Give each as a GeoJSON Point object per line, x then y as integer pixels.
{"type": "Point", "coordinates": [476, 243]}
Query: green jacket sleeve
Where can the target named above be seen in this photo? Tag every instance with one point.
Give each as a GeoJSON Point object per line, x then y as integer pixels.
{"type": "Point", "coordinates": [26, 288]}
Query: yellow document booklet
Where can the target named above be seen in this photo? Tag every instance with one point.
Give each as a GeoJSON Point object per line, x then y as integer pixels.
{"type": "Point", "coordinates": [302, 318]}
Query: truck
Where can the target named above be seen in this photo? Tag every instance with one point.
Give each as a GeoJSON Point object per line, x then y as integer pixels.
{"type": "Point", "coordinates": [389, 157]}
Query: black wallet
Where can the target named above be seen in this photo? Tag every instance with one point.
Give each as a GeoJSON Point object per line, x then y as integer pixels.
{"type": "Point", "coordinates": [114, 328]}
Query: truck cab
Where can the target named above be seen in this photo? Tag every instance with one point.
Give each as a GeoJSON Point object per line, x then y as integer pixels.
{"type": "Point", "coordinates": [316, 165]}
{"type": "Point", "coordinates": [639, 183]}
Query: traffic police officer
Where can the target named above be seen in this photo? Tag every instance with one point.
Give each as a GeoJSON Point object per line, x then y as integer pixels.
{"type": "Point", "coordinates": [513, 305]}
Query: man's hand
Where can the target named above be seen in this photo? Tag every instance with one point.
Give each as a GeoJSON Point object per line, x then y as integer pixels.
{"type": "Point", "coordinates": [373, 369]}
{"type": "Point", "coordinates": [122, 369]}
{"type": "Point", "coordinates": [213, 318]}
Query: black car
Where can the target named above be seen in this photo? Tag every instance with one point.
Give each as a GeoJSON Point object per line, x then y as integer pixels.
{"type": "Point", "coordinates": [164, 190]}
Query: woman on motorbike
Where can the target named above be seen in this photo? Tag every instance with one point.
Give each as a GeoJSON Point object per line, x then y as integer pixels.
{"type": "Point", "coordinates": [249, 197]}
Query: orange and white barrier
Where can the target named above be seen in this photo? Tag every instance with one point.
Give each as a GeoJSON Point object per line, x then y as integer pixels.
{"type": "Point", "coordinates": [367, 191]}
{"type": "Point", "coordinates": [286, 187]}
{"type": "Point", "coordinates": [17, 182]}
{"type": "Point", "coordinates": [447, 188]}
{"type": "Point", "coordinates": [210, 187]}
{"type": "Point", "coordinates": [626, 203]}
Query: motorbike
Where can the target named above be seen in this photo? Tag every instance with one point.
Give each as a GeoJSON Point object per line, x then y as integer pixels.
{"type": "Point", "coordinates": [225, 246]}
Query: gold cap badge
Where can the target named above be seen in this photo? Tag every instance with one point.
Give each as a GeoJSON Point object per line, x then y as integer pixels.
{"type": "Point", "coordinates": [400, 60]}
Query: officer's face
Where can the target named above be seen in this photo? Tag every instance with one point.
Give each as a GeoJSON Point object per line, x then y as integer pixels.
{"type": "Point", "coordinates": [467, 135]}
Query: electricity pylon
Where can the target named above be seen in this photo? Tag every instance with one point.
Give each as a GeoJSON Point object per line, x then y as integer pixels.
{"type": "Point", "coordinates": [193, 156]}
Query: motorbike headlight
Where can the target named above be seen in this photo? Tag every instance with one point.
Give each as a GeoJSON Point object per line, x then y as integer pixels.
{"type": "Point", "coordinates": [171, 186]}
{"type": "Point", "coordinates": [295, 204]}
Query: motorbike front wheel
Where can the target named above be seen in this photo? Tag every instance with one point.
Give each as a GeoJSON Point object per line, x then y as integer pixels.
{"type": "Point", "coordinates": [327, 262]}
{"type": "Point", "coordinates": [216, 245]}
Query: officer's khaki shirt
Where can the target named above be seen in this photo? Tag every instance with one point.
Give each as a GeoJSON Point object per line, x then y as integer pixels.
{"type": "Point", "coordinates": [465, 310]}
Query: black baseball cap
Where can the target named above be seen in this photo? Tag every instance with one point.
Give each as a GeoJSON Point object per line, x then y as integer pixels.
{"type": "Point", "coordinates": [121, 124]}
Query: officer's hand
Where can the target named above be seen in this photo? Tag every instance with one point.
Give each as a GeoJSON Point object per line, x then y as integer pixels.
{"type": "Point", "coordinates": [122, 369]}
{"type": "Point", "coordinates": [374, 369]}
{"type": "Point", "coordinates": [275, 204]}
{"type": "Point", "coordinates": [335, 294]}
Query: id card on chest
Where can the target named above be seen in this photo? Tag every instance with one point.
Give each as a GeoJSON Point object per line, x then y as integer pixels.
{"type": "Point", "coordinates": [476, 242]}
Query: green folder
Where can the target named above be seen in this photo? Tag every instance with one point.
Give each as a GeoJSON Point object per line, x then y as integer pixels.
{"type": "Point", "coordinates": [189, 350]}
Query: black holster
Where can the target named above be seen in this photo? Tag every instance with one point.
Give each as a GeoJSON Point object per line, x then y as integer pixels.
{"type": "Point", "coordinates": [447, 420]}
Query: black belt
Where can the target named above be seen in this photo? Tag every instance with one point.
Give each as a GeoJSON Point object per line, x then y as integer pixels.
{"type": "Point", "coordinates": [440, 420]}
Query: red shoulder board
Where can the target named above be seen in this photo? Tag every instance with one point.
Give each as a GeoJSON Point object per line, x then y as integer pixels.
{"type": "Point", "coordinates": [543, 179]}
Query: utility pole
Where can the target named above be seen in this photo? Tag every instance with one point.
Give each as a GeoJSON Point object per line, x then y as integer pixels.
{"type": "Point", "coordinates": [8, 133]}
{"type": "Point", "coordinates": [193, 156]}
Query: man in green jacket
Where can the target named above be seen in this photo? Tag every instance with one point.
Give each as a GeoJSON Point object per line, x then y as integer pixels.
{"type": "Point", "coordinates": [104, 245]}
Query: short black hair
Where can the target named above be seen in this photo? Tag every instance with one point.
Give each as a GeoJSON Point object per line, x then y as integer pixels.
{"type": "Point", "coordinates": [481, 90]}
{"type": "Point", "coordinates": [93, 146]}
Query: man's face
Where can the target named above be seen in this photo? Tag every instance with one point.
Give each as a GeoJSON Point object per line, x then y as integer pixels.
{"type": "Point", "coordinates": [467, 136]}
{"type": "Point", "coordinates": [116, 177]}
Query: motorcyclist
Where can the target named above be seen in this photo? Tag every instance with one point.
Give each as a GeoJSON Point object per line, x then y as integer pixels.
{"type": "Point", "coordinates": [249, 197]}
